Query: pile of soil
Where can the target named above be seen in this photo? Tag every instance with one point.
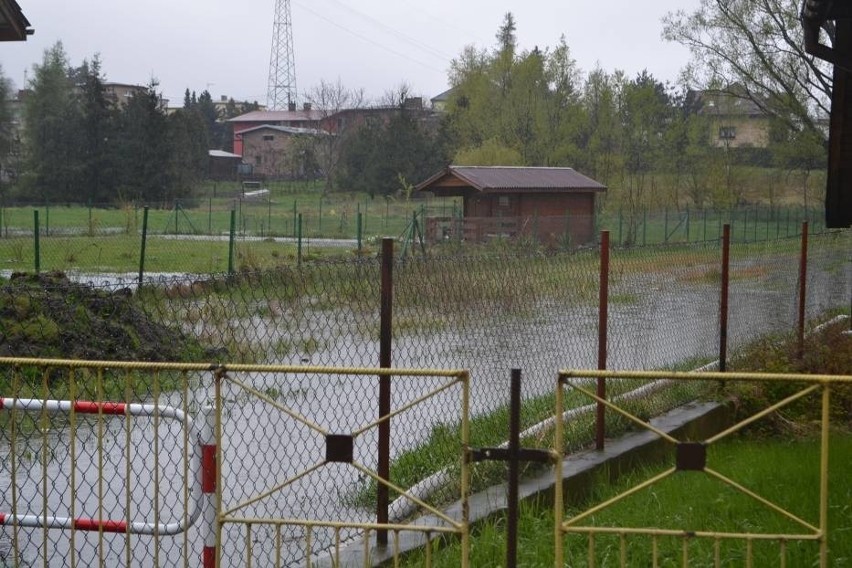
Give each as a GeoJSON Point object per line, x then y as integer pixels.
{"type": "Point", "coordinates": [47, 315]}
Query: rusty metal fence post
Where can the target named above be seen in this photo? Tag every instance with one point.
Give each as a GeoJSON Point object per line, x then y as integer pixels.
{"type": "Point", "coordinates": [514, 454]}
{"type": "Point", "coordinates": [514, 470]}
{"type": "Point", "coordinates": [603, 314]}
{"type": "Point", "coordinates": [142, 248]}
{"type": "Point", "coordinates": [36, 248]}
{"type": "Point", "coordinates": [385, 339]}
{"type": "Point", "coordinates": [803, 289]}
{"type": "Point", "coordinates": [723, 309]}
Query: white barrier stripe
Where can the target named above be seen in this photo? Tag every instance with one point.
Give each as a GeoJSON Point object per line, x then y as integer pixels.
{"type": "Point", "coordinates": [207, 481]}
{"type": "Point", "coordinates": [91, 407]}
{"type": "Point", "coordinates": [88, 524]}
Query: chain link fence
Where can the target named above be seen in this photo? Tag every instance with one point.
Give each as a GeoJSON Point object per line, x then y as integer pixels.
{"type": "Point", "coordinates": [487, 310]}
{"type": "Point", "coordinates": [230, 234]}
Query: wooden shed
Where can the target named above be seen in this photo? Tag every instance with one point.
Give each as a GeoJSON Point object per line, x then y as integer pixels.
{"type": "Point", "coordinates": [551, 205]}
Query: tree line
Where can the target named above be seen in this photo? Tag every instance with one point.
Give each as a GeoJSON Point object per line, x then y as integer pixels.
{"type": "Point", "coordinates": [645, 139]}
{"type": "Point", "coordinates": [81, 145]}
{"type": "Point", "coordinates": [636, 134]}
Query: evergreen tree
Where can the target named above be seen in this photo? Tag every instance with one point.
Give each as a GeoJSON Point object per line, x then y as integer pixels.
{"type": "Point", "coordinates": [143, 150]}
{"type": "Point", "coordinates": [186, 140]}
{"type": "Point", "coordinates": [5, 125]}
{"type": "Point", "coordinates": [97, 173]}
{"type": "Point", "coordinates": [51, 142]}
{"type": "Point", "coordinates": [210, 117]}
{"type": "Point", "coordinates": [525, 103]}
{"type": "Point", "coordinates": [382, 158]}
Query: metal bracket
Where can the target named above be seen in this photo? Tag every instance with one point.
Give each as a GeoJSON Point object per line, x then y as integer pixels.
{"type": "Point", "coordinates": [338, 448]}
{"type": "Point", "coordinates": [691, 456]}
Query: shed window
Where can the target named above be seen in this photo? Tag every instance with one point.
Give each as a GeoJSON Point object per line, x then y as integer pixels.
{"type": "Point", "coordinates": [503, 201]}
{"type": "Point", "coordinates": [268, 137]}
{"type": "Point", "coordinates": [258, 160]}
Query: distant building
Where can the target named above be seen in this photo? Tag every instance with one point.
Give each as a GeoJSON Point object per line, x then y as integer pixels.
{"type": "Point", "coordinates": [222, 104]}
{"type": "Point", "coordinates": [274, 151]}
{"type": "Point", "coordinates": [223, 165]}
{"type": "Point", "coordinates": [291, 118]}
{"type": "Point", "coordinates": [736, 121]}
{"type": "Point", "coordinates": [121, 93]}
{"type": "Point", "coordinates": [351, 118]}
{"type": "Point", "coordinates": [440, 101]}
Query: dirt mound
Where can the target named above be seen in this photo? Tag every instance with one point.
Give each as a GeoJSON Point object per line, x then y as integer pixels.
{"type": "Point", "coordinates": [47, 315]}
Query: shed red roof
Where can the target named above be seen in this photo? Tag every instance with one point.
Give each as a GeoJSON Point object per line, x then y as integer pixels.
{"type": "Point", "coordinates": [503, 178]}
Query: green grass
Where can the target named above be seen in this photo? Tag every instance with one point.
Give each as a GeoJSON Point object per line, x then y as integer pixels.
{"type": "Point", "coordinates": [443, 447]}
{"type": "Point", "coordinates": [693, 501]}
{"type": "Point", "coordinates": [324, 214]}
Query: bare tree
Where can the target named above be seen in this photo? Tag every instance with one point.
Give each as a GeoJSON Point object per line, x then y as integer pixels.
{"type": "Point", "coordinates": [330, 100]}
{"type": "Point", "coordinates": [757, 46]}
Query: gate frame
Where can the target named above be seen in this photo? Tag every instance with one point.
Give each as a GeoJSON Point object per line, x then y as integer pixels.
{"type": "Point", "coordinates": [460, 528]}
{"type": "Point", "coordinates": [692, 456]}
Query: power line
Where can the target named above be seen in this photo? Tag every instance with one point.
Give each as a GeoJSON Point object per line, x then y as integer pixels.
{"type": "Point", "coordinates": [368, 40]}
{"type": "Point", "coordinates": [398, 34]}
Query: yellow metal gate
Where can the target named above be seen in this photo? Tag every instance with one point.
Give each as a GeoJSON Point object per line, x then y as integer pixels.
{"type": "Point", "coordinates": [691, 455]}
{"type": "Point", "coordinates": [171, 464]}
{"type": "Point", "coordinates": [262, 520]}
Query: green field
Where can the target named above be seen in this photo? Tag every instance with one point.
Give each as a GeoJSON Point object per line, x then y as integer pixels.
{"type": "Point", "coordinates": [92, 238]}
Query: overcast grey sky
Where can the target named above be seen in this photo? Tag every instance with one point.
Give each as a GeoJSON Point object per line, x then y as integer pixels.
{"type": "Point", "coordinates": [224, 46]}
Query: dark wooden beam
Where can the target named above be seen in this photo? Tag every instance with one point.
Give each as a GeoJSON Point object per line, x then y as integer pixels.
{"type": "Point", "coordinates": [838, 195]}
{"type": "Point", "coordinates": [14, 26]}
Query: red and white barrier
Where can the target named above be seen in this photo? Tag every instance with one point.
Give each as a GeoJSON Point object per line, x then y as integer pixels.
{"type": "Point", "coordinates": [209, 463]}
{"type": "Point", "coordinates": [206, 437]}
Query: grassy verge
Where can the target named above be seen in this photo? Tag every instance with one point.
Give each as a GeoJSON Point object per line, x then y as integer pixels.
{"type": "Point", "coordinates": [692, 501]}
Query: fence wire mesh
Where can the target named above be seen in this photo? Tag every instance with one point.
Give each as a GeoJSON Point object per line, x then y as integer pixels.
{"type": "Point", "coordinates": [483, 311]}
{"type": "Point", "coordinates": [228, 233]}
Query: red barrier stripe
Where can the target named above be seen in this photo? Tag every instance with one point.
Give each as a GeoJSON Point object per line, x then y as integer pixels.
{"type": "Point", "coordinates": [106, 526]}
{"type": "Point", "coordinates": [1, 403]}
{"type": "Point", "coordinates": [208, 468]}
{"type": "Point", "coordinates": [208, 557]}
{"type": "Point", "coordinates": [2, 518]}
{"type": "Point", "coordinates": [90, 407]}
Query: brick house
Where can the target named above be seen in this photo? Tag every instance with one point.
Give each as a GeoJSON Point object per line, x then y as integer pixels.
{"type": "Point", "coordinates": [279, 152]}
{"type": "Point", "coordinates": [306, 118]}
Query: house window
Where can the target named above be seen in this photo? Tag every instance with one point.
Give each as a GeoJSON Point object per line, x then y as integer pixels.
{"type": "Point", "coordinates": [503, 201]}
{"type": "Point", "coordinates": [728, 132]}
{"type": "Point", "coordinates": [258, 160]}
{"type": "Point", "coordinates": [268, 137]}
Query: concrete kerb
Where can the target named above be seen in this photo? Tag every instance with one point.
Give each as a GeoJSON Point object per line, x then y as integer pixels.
{"type": "Point", "coordinates": [694, 421]}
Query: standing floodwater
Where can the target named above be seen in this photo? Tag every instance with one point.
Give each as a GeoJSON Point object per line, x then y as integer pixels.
{"type": "Point", "coordinates": [486, 314]}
